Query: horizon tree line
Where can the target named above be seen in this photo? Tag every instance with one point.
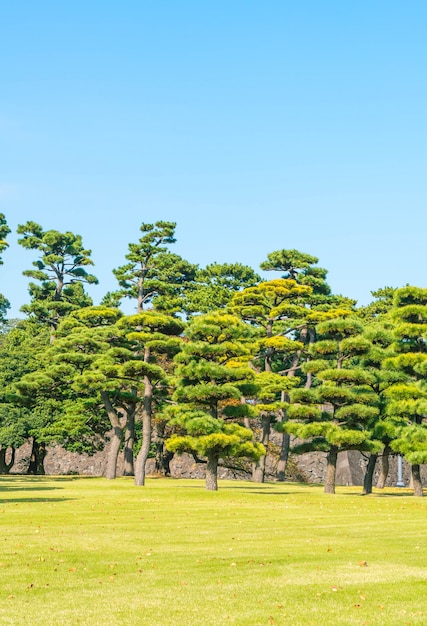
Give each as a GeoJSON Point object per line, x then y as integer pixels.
{"type": "Point", "coordinates": [212, 361]}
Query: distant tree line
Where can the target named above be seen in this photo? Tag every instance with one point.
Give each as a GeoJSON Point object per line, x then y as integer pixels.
{"type": "Point", "coordinates": [212, 360]}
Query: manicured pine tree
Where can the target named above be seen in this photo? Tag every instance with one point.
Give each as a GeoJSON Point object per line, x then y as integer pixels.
{"type": "Point", "coordinates": [382, 426]}
{"type": "Point", "coordinates": [276, 309]}
{"type": "Point", "coordinates": [61, 275]}
{"type": "Point", "coordinates": [408, 401]}
{"type": "Point", "coordinates": [322, 305]}
{"type": "Point", "coordinates": [213, 369]}
{"type": "Point", "coordinates": [335, 414]}
{"type": "Point", "coordinates": [156, 278]}
{"type": "Point", "coordinates": [155, 338]}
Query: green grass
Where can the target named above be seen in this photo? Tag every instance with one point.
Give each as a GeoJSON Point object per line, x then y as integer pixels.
{"type": "Point", "coordinates": [90, 551]}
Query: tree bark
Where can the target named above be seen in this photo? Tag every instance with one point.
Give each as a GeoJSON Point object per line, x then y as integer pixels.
{"type": "Point", "coordinates": [129, 468]}
{"type": "Point", "coordinates": [369, 474]}
{"type": "Point", "coordinates": [113, 453]}
{"type": "Point", "coordinates": [416, 480]}
{"type": "Point", "coordinates": [331, 470]}
{"type": "Point", "coordinates": [212, 472]}
{"type": "Point", "coordinates": [283, 458]}
{"type": "Point", "coordinates": [6, 466]}
{"type": "Point", "coordinates": [258, 475]}
{"type": "Point", "coordinates": [382, 478]}
{"type": "Point", "coordinates": [115, 439]}
{"type": "Point", "coordinates": [38, 453]}
{"type": "Point", "coordinates": [142, 457]}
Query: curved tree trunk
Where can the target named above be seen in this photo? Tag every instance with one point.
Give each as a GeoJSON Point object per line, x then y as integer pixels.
{"type": "Point", "coordinates": [416, 480]}
{"type": "Point", "coordinates": [129, 469]}
{"type": "Point", "coordinates": [113, 452]}
{"type": "Point", "coordinates": [258, 474]}
{"type": "Point", "coordinates": [142, 457]}
{"type": "Point", "coordinates": [212, 473]}
{"type": "Point", "coordinates": [331, 470]}
{"type": "Point", "coordinates": [6, 466]}
{"type": "Point", "coordinates": [385, 464]}
{"type": "Point", "coordinates": [369, 474]}
{"type": "Point", "coordinates": [38, 453]}
{"type": "Point", "coordinates": [115, 438]}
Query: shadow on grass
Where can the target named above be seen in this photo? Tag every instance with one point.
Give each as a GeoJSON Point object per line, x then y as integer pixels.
{"type": "Point", "coordinates": [26, 500]}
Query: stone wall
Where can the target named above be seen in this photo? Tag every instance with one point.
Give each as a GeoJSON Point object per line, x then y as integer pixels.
{"type": "Point", "coordinates": [310, 467]}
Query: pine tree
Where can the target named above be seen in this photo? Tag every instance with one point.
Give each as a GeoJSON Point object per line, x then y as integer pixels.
{"type": "Point", "coordinates": [60, 272]}
{"type": "Point", "coordinates": [213, 370]}
{"type": "Point", "coordinates": [407, 406]}
{"type": "Point", "coordinates": [214, 286]}
{"type": "Point", "coordinates": [336, 413]}
{"type": "Point", "coordinates": [154, 276]}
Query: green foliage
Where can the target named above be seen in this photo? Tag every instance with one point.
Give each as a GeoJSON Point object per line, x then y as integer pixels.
{"type": "Point", "coordinates": [214, 286]}
{"type": "Point", "coordinates": [153, 274]}
{"type": "Point", "coordinates": [60, 270]}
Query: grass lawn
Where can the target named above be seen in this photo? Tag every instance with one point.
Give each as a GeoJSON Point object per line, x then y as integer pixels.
{"type": "Point", "coordinates": [91, 551]}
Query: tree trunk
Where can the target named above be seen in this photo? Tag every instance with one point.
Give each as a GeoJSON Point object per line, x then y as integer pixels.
{"type": "Point", "coordinates": [258, 474]}
{"type": "Point", "coordinates": [283, 458]}
{"type": "Point", "coordinates": [163, 455]}
{"type": "Point", "coordinates": [6, 466]}
{"type": "Point", "coordinates": [382, 478]}
{"type": "Point", "coordinates": [113, 453]}
{"type": "Point", "coordinates": [115, 439]}
{"type": "Point", "coordinates": [331, 470]}
{"type": "Point", "coordinates": [212, 473]}
{"type": "Point", "coordinates": [163, 459]}
{"type": "Point", "coordinates": [38, 453]}
{"type": "Point", "coordinates": [142, 457]}
{"type": "Point", "coordinates": [369, 474]}
{"type": "Point", "coordinates": [416, 480]}
{"type": "Point", "coordinates": [129, 469]}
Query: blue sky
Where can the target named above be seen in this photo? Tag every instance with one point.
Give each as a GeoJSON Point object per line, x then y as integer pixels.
{"type": "Point", "coordinates": [255, 125]}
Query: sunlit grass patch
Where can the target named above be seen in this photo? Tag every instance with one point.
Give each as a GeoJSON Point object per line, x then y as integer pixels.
{"type": "Point", "coordinates": [86, 550]}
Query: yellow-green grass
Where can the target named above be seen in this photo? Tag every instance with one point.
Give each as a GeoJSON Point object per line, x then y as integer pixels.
{"type": "Point", "coordinates": [91, 551]}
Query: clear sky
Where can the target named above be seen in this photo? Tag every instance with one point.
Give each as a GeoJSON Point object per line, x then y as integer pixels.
{"type": "Point", "coordinates": [255, 125]}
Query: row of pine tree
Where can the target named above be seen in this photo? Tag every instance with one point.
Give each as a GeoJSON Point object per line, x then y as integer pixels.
{"type": "Point", "coordinates": [212, 360]}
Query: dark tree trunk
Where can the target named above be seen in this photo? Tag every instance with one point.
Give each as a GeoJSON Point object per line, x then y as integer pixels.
{"type": "Point", "coordinates": [369, 474]}
{"type": "Point", "coordinates": [258, 474]}
{"type": "Point", "coordinates": [382, 478]}
{"type": "Point", "coordinates": [38, 453]}
{"type": "Point", "coordinates": [142, 457]}
{"type": "Point", "coordinates": [163, 459]}
{"type": "Point", "coordinates": [163, 455]}
{"type": "Point", "coordinates": [5, 465]}
{"type": "Point", "coordinates": [416, 480]}
{"type": "Point", "coordinates": [283, 458]}
{"type": "Point", "coordinates": [331, 470]}
{"type": "Point", "coordinates": [212, 473]}
{"type": "Point", "coordinates": [129, 469]}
